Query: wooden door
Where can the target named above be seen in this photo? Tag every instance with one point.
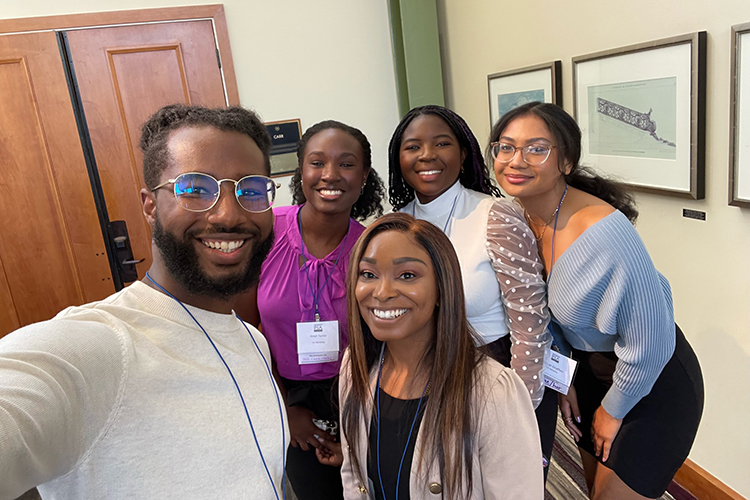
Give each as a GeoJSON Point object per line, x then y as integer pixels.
{"type": "Point", "coordinates": [125, 74]}
{"type": "Point", "coordinates": [52, 252]}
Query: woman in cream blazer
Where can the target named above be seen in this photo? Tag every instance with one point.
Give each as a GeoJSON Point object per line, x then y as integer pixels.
{"type": "Point", "coordinates": [414, 390]}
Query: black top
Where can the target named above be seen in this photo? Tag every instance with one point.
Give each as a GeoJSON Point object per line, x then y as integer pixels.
{"type": "Point", "coordinates": [397, 416]}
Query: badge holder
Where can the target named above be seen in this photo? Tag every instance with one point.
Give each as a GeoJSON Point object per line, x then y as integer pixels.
{"type": "Point", "coordinates": [559, 371]}
{"type": "Point", "coordinates": [317, 341]}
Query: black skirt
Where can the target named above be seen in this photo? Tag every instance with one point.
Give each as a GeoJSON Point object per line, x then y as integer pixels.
{"type": "Point", "coordinates": [657, 434]}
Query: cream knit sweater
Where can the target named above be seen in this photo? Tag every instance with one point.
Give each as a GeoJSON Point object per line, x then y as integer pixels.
{"type": "Point", "coordinates": [126, 398]}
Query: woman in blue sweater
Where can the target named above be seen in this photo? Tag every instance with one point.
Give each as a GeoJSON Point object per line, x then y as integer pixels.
{"type": "Point", "coordinates": [637, 397]}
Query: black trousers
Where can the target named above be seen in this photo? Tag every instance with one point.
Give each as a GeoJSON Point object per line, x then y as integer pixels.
{"type": "Point", "coordinates": [310, 479]}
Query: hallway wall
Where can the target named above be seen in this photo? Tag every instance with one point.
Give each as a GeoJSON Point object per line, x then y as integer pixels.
{"type": "Point", "coordinates": [707, 262]}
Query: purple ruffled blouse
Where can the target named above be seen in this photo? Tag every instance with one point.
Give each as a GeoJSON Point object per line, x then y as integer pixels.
{"type": "Point", "coordinates": [285, 297]}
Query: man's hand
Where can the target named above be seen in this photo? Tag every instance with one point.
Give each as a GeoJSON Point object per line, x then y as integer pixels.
{"type": "Point", "coordinates": [304, 433]}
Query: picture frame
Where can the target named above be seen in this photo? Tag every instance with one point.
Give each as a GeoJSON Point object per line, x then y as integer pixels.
{"type": "Point", "coordinates": [642, 113]}
{"type": "Point", "coordinates": [739, 118]}
{"type": "Point", "coordinates": [508, 89]}
{"type": "Point", "coordinates": [285, 137]}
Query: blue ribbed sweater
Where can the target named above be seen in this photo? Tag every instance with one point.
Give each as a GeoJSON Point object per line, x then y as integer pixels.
{"type": "Point", "coordinates": [606, 295]}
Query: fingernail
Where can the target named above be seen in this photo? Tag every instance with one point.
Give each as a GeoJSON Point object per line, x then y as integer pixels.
{"type": "Point", "coordinates": [578, 419]}
{"type": "Point", "coordinates": [316, 437]}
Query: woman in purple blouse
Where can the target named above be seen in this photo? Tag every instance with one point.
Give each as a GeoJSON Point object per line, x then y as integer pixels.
{"type": "Point", "coordinates": [301, 296]}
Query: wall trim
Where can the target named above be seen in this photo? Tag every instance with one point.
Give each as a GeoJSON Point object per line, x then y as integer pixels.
{"type": "Point", "coordinates": [416, 53]}
{"type": "Point", "coordinates": [701, 484]}
{"type": "Point", "coordinates": [93, 19]}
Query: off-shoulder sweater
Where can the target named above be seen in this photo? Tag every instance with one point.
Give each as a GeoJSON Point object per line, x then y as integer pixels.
{"type": "Point", "coordinates": [606, 295]}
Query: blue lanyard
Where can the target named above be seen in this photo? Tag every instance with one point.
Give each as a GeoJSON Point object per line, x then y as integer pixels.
{"type": "Point", "coordinates": [554, 230]}
{"type": "Point", "coordinates": [307, 270]}
{"type": "Point", "coordinates": [450, 215]}
{"type": "Point", "coordinates": [247, 414]}
{"type": "Point", "coordinates": [411, 429]}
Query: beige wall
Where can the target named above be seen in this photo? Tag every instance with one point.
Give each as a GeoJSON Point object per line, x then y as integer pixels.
{"type": "Point", "coordinates": [332, 59]}
{"type": "Point", "coordinates": [708, 263]}
{"type": "Point", "coordinates": [327, 59]}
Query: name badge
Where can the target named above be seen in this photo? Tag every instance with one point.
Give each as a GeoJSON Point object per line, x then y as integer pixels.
{"type": "Point", "coordinates": [317, 342]}
{"type": "Point", "coordinates": [558, 371]}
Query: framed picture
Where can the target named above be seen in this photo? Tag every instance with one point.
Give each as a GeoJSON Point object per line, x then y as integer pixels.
{"type": "Point", "coordinates": [509, 89]}
{"type": "Point", "coordinates": [642, 113]}
{"type": "Point", "coordinates": [285, 137]}
{"type": "Point", "coordinates": [739, 137]}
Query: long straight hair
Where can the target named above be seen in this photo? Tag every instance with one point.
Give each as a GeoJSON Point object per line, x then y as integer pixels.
{"type": "Point", "coordinates": [451, 358]}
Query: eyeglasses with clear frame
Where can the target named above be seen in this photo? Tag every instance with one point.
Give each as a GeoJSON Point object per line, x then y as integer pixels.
{"type": "Point", "coordinates": [199, 192]}
{"type": "Point", "coordinates": [533, 154]}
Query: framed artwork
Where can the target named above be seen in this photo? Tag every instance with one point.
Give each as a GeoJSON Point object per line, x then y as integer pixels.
{"type": "Point", "coordinates": [739, 137]}
{"type": "Point", "coordinates": [509, 89]}
{"type": "Point", "coordinates": [285, 137]}
{"type": "Point", "coordinates": [642, 113]}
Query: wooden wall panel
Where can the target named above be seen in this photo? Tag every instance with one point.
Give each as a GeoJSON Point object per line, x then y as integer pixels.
{"type": "Point", "coordinates": [211, 11]}
{"type": "Point", "coordinates": [29, 196]}
{"type": "Point", "coordinates": [51, 245]}
{"type": "Point", "coordinates": [8, 315]}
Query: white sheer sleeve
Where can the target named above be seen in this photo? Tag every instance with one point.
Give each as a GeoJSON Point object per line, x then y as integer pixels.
{"type": "Point", "coordinates": [513, 252]}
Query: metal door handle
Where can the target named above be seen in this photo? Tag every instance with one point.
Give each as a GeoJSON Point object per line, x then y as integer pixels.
{"type": "Point", "coordinates": [130, 262]}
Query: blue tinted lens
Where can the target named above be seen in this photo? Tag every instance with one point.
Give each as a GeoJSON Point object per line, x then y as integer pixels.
{"type": "Point", "coordinates": [196, 191]}
{"type": "Point", "coordinates": [256, 193]}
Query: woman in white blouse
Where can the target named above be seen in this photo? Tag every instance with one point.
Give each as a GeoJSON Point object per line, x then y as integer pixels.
{"type": "Point", "coordinates": [437, 173]}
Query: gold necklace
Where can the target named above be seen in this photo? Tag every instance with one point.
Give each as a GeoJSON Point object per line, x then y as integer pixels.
{"type": "Point", "coordinates": [546, 224]}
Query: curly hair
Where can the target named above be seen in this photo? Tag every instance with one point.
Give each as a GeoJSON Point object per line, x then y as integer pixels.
{"type": "Point", "coordinates": [474, 174]}
{"type": "Point", "coordinates": [155, 133]}
{"type": "Point", "coordinates": [568, 138]}
{"type": "Point", "coordinates": [370, 201]}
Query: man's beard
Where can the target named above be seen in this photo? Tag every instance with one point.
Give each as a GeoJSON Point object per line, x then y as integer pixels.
{"type": "Point", "coordinates": [183, 264]}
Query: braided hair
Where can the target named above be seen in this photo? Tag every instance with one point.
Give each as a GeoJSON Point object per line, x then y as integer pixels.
{"type": "Point", "coordinates": [474, 175]}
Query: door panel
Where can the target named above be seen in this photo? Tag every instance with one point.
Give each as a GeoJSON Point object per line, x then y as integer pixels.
{"type": "Point", "coordinates": [124, 75]}
{"type": "Point", "coordinates": [8, 315]}
{"type": "Point", "coordinates": [51, 244]}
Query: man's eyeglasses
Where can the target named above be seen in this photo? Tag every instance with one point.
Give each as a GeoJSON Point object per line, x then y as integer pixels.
{"type": "Point", "coordinates": [533, 154]}
{"type": "Point", "coordinates": [199, 192]}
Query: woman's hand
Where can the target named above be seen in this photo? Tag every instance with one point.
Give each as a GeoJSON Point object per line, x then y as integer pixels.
{"type": "Point", "coordinates": [569, 409]}
{"type": "Point", "coordinates": [330, 453]}
{"type": "Point", "coordinates": [604, 429]}
{"type": "Point", "coordinates": [304, 433]}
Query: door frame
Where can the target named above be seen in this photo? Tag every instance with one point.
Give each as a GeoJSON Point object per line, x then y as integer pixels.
{"type": "Point", "coordinates": [213, 12]}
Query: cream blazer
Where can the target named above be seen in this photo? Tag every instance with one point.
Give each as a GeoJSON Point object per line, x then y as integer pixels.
{"type": "Point", "coordinates": [507, 461]}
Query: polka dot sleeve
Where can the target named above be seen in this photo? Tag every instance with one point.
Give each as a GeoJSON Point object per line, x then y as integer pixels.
{"type": "Point", "coordinates": [513, 252]}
